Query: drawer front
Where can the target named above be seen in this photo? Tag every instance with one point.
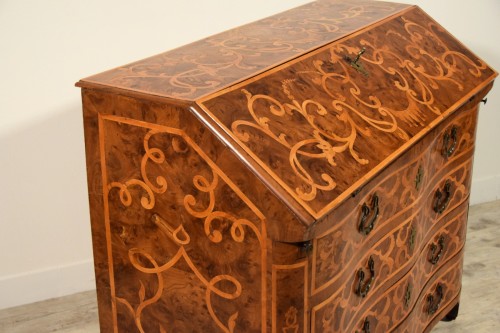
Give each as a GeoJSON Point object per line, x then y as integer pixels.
{"type": "Point", "coordinates": [412, 255]}
{"type": "Point", "coordinates": [440, 292]}
{"type": "Point", "coordinates": [361, 283]}
{"type": "Point", "coordinates": [396, 311]}
{"type": "Point", "coordinates": [455, 136]}
{"type": "Point", "coordinates": [444, 171]}
{"type": "Point", "coordinates": [393, 306]}
{"type": "Point", "coordinates": [407, 191]}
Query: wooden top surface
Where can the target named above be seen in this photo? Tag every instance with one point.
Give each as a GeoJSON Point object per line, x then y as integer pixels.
{"type": "Point", "coordinates": [321, 129]}
{"type": "Point", "coordinates": [213, 63]}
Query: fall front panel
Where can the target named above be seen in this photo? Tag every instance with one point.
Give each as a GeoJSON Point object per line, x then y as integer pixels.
{"type": "Point", "coordinates": [324, 123]}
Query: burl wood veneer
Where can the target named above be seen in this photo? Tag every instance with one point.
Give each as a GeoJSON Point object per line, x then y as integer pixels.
{"type": "Point", "coordinates": [309, 172]}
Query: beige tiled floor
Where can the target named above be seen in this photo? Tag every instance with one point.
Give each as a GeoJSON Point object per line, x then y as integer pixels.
{"type": "Point", "coordinates": [479, 307]}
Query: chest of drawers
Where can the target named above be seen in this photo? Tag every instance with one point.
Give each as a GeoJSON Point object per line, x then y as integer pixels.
{"type": "Point", "coordinates": [309, 172]}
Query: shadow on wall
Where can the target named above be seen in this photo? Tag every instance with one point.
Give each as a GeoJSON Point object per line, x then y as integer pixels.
{"type": "Point", "coordinates": [45, 240]}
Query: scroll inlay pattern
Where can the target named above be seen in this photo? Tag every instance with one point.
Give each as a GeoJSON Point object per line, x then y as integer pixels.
{"type": "Point", "coordinates": [199, 215]}
{"type": "Point", "coordinates": [314, 137]}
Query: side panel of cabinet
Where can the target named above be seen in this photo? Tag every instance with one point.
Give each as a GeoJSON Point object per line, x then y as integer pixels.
{"type": "Point", "coordinates": [179, 228]}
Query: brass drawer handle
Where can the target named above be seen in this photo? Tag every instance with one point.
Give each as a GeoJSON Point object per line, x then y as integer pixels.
{"type": "Point", "coordinates": [436, 255]}
{"type": "Point", "coordinates": [442, 199]}
{"type": "Point", "coordinates": [434, 304]}
{"type": "Point", "coordinates": [366, 227]}
{"type": "Point", "coordinates": [449, 148]}
{"type": "Point", "coordinates": [366, 326]}
{"type": "Point", "coordinates": [362, 290]}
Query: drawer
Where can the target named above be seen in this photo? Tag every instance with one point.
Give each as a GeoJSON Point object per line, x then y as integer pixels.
{"type": "Point", "coordinates": [393, 306]}
{"type": "Point", "coordinates": [362, 280]}
{"type": "Point", "coordinates": [343, 250]}
{"type": "Point", "coordinates": [396, 311]}
{"type": "Point", "coordinates": [453, 138]}
{"type": "Point", "coordinates": [441, 292]}
{"type": "Point", "coordinates": [401, 264]}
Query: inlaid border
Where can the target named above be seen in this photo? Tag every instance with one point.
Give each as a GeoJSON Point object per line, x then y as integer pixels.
{"type": "Point", "coordinates": [275, 269]}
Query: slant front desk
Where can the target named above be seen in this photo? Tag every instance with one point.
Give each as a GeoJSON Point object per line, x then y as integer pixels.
{"type": "Point", "coordinates": [309, 172]}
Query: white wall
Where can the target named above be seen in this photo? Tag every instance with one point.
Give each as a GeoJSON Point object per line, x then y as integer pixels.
{"type": "Point", "coordinates": [46, 46]}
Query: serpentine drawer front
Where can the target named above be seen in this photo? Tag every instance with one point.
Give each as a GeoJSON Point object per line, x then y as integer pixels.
{"type": "Point", "coordinates": [309, 172]}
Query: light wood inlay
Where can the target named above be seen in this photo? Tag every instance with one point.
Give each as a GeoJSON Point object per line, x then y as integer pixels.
{"type": "Point", "coordinates": [140, 249]}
